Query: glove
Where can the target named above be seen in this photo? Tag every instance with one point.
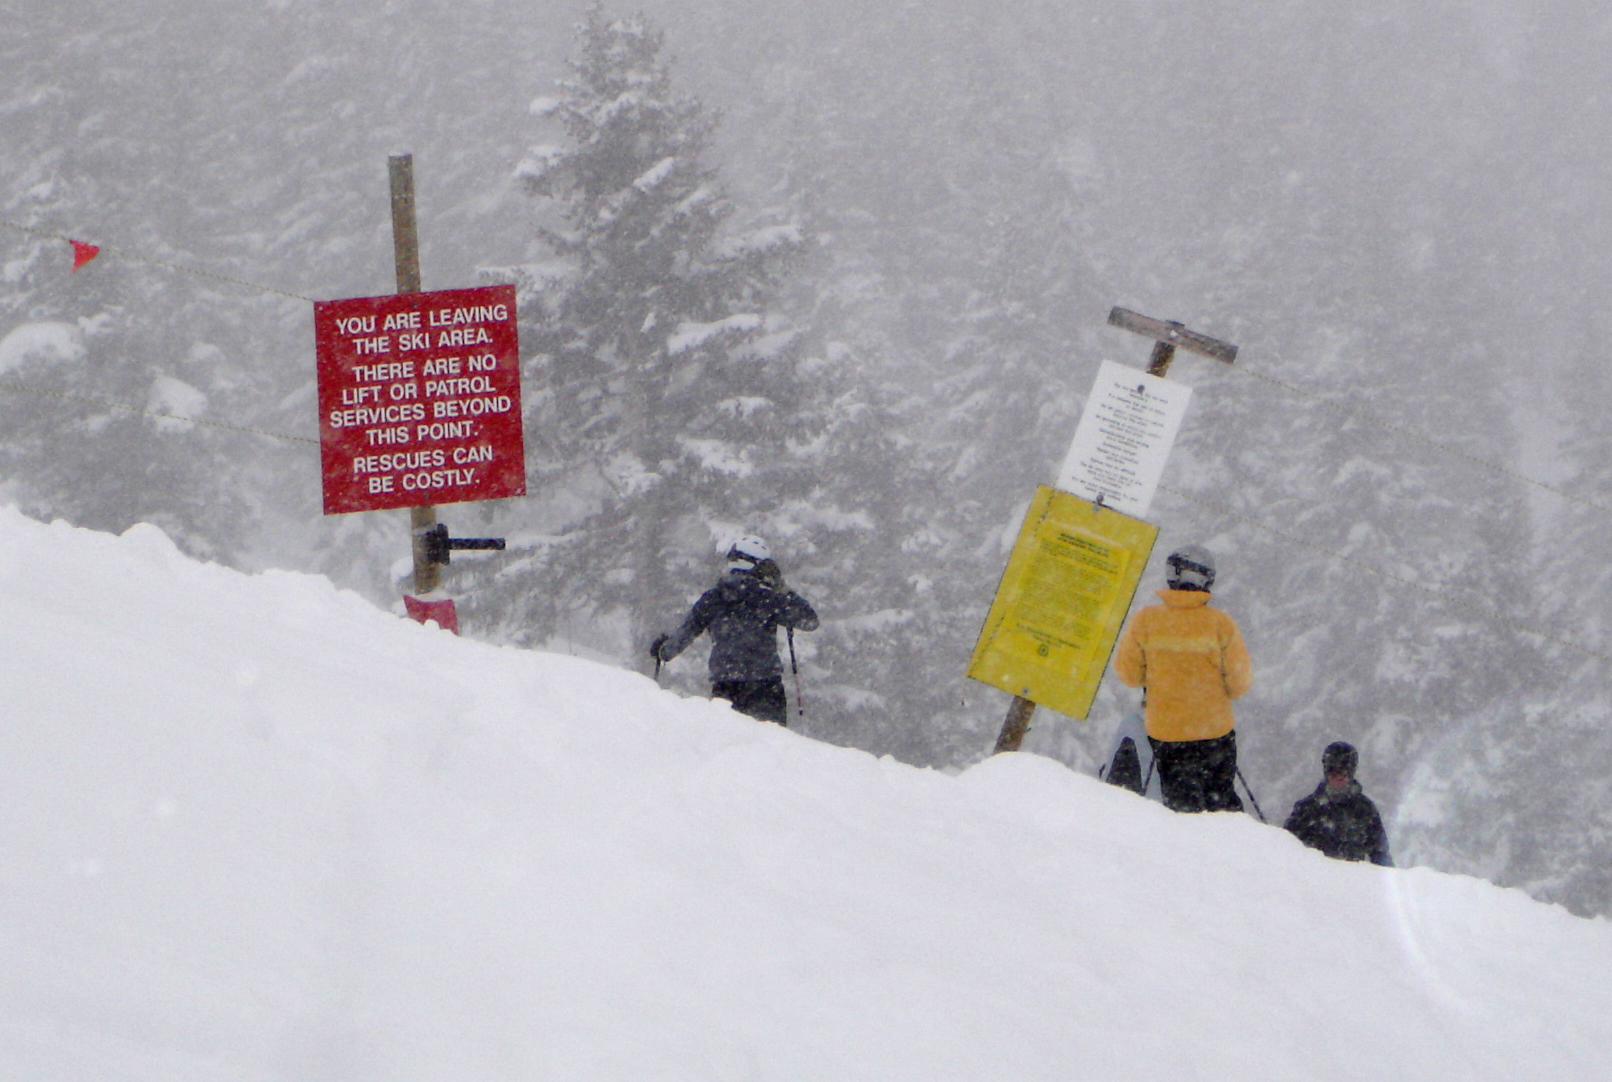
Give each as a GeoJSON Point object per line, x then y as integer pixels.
{"type": "Point", "coordinates": [768, 575]}
{"type": "Point", "coordinates": [655, 647]}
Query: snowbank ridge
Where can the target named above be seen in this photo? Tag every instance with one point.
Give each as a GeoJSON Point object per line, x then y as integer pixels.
{"type": "Point", "coordinates": [256, 830]}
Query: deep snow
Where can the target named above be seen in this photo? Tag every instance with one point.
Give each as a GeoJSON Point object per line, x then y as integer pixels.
{"type": "Point", "coordinates": [256, 829]}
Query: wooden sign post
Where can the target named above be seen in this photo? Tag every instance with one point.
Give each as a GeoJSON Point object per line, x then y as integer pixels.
{"type": "Point", "coordinates": [1068, 585]}
{"type": "Point", "coordinates": [1166, 335]}
{"type": "Point", "coordinates": [406, 256]}
{"type": "Point", "coordinates": [419, 402]}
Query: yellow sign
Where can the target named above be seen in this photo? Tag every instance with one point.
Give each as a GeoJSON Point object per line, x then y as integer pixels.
{"type": "Point", "coordinates": [1063, 598]}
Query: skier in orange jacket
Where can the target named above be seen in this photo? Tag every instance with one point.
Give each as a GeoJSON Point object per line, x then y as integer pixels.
{"type": "Point", "coordinates": [1191, 662]}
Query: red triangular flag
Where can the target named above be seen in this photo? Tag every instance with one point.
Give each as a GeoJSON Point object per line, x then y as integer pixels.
{"type": "Point", "coordinates": [83, 252]}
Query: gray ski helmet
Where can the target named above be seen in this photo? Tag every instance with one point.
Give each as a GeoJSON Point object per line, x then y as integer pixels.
{"type": "Point", "coordinates": [1340, 758]}
{"type": "Point", "coordinates": [747, 552]}
{"type": "Point", "coordinates": [1190, 567]}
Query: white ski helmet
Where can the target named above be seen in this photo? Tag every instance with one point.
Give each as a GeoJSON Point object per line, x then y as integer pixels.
{"type": "Point", "coordinates": [1191, 567]}
{"type": "Point", "coordinates": [747, 552]}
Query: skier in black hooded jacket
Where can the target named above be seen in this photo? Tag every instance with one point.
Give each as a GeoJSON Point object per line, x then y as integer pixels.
{"type": "Point", "coordinates": [743, 612]}
{"type": "Point", "coordinates": [1339, 818]}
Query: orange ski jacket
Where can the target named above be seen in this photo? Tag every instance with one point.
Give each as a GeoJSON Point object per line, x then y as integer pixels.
{"type": "Point", "coordinates": [1193, 663]}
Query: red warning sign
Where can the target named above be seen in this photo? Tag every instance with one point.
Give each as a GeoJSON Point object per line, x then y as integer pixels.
{"type": "Point", "coordinates": [419, 399]}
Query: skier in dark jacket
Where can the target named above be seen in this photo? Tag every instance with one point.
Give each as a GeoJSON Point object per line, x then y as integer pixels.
{"type": "Point", "coordinates": [1339, 818]}
{"type": "Point", "coordinates": [743, 612]}
{"type": "Point", "coordinates": [1130, 760]}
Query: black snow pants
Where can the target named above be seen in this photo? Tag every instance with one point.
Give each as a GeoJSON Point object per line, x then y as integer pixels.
{"type": "Point", "coordinates": [763, 699]}
{"type": "Point", "coordinates": [1198, 775]}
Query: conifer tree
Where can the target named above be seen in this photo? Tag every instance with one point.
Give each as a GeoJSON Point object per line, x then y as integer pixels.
{"type": "Point", "coordinates": [102, 397]}
{"type": "Point", "coordinates": [662, 396]}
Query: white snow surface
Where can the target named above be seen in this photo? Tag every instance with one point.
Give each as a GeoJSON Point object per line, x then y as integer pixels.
{"type": "Point", "coordinates": [694, 335]}
{"type": "Point", "coordinates": [657, 173]}
{"type": "Point", "coordinates": [256, 829]}
{"type": "Point", "coordinates": [47, 341]}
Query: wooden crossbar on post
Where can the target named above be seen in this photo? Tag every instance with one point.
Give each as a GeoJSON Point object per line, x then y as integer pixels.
{"type": "Point", "coordinates": [1166, 335]}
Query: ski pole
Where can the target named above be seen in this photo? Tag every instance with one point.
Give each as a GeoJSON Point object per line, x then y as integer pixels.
{"type": "Point", "coordinates": [1153, 754]}
{"type": "Point", "coordinates": [794, 667]}
{"type": "Point", "coordinates": [1251, 798]}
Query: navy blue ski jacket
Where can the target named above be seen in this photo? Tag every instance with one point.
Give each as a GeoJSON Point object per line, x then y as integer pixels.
{"type": "Point", "coordinates": [743, 615]}
{"type": "Point", "coordinates": [1342, 823]}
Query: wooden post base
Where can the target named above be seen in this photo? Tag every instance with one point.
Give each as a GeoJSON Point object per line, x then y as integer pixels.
{"type": "Point", "coordinates": [1016, 725]}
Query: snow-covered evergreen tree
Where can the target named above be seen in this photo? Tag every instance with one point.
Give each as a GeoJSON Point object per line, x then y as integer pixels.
{"type": "Point", "coordinates": [661, 396]}
{"type": "Point", "coordinates": [103, 398]}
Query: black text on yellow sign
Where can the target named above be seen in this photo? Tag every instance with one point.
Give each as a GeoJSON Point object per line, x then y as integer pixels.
{"type": "Point", "coordinates": [1063, 599]}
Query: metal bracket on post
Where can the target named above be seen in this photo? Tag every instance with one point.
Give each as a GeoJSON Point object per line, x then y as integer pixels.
{"type": "Point", "coordinates": [439, 546]}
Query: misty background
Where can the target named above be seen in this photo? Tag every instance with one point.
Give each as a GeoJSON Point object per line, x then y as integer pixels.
{"type": "Point", "coordinates": [1398, 213]}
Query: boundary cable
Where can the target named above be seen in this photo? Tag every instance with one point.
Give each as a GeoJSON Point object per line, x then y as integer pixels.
{"type": "Point", "coordinates": [103, 403]}
{"type": "Point", "coordinates": [1481, 610]}
{"type": "Point", "coordinates": [138, 258]}
{"type": "Point", "coordinates": [1351, 411]}
{"type": "Point", "coordinates": [1392, 426]}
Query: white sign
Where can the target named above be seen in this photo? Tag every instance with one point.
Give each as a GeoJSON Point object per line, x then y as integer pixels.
{"type": "Point", "coordinates": [1124, 438]}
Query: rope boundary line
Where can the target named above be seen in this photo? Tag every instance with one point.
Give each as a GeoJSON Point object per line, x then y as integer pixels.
{"type": "Point", "coordinates": [1351, 411]}
{"type": "Point", "coordinates": [18, 388]}
{"type": "Point", "coordinates": [1489, 614]}
{"type": "Point", "coordinates": [182, 269]}
{"type": "Point", "coordinates": [1410, 433]}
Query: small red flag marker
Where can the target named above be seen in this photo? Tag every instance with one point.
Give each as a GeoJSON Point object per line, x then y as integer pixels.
{"type": "Point", "coordinates": [443, 612]}
{"type": "Point", "coordinates": [83, 252]}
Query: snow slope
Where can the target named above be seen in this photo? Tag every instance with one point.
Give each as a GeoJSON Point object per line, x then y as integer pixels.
{"type": "Point", "coordinates": [255, 829]}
